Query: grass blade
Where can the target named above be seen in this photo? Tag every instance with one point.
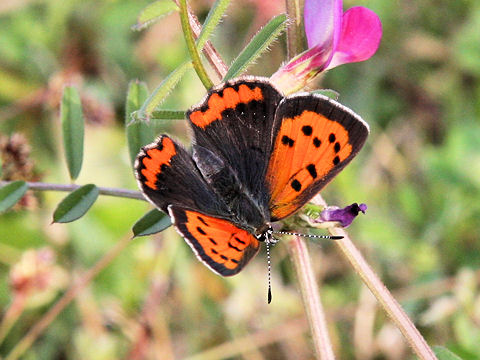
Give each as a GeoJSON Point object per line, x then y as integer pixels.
{"type": "Point", "coordinates": [151, 223]}
{"type": "Point", "coordinates": [162, 90]}
{"type": "Point", "coordinates": [76, 204]}
{"type": "Point", "coordinates": [73, 130]}
{"type": "Point", "coordinates": [260, 42]}
{"type": "Point", "coordinates": [153, 12]}
{"type": "Point", "coordinates": [211, 22]}
{"type": "Point", "coordinates": [139, 133]}
{"type": "Point", "coordinates": [11, 193]}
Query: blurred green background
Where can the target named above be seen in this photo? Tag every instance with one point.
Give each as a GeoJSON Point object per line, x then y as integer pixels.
{"type": "Point", "coordinates": [419, 174]}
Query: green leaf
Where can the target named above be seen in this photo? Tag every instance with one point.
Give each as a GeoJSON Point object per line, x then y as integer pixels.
{"type": "Point", "coordinates": [76, 204]}
{"type": "Point", "coordinates": [168, 115]}
{"type": "Point", "coordinates": [139, 133]}
{"type": "Point", "coordinates": [213, 18]}
{"type": "Point", "coordinates": [162, 90]}
{"type": "Point", "coordinates": [444, 354]}
{"type": "Point", "coordinates": [260, 42]}
{"type": "Point", "coordinates": [154, 12]}
{"type": "Point", "coordinates": [151, 223]}
{"type": "Point", "coordinates": [11, 193]}
{"type": "Point", "coordinates": [73, 130]}
{"type": "Point", "coordinates": [332, 94]}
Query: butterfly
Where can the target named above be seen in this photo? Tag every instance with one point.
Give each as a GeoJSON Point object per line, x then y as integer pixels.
{"type": "Point", "coordinates": [256, 158]}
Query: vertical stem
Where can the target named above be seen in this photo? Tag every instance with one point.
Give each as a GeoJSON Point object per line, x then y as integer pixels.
{"type": "Point", "coordinates": [311, 298]}
{"type": "Point", "coordinates": [295, 29]}
{"type": "Point", "coordinates": [192, 48]}
{"type": "Point", "coordinates": [208, 50]}
{"type": "Point", "coordinates": [297, 248]}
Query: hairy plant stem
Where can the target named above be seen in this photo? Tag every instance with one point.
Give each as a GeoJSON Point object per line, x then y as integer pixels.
{"type": "Point", "coordinates": [311, 298]}
{"type": "Point", "coordinates": [40, 186]}
{"type": "Point", "coordinates": [27, 341]}
{"type": "Point", "coordinates": [208, 50]}
{"type": "Point", "coordinates": [192, 48]}
{"type": "Point", "coordinates": [295, 29]}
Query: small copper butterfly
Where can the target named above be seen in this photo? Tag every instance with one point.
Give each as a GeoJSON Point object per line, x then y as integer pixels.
{"type": "Point", "coordinates": [257, 157]}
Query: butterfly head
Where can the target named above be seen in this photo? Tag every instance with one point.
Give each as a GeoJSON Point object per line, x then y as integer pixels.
{"type": "Point", "coordinates": [267, 236]}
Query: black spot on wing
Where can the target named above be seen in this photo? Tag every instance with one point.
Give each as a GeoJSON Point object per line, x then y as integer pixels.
{"type": "Point", "coordinates": [240, 240]}
{"type": "Point", "coordinates": [296, 185]}
{"type": "Point", "coordinates": [336, 147]}
{"type": "Point", "coordinates": [307, 130]}
{"type": "Point", "coordinates": [202, 220]}
{"type": "Point", "coordinates": [287, 141]}
{"type": "Point", "coordinates": [233, 247]}
{"type": "Point", "coordinates": [317, 142]}
{"type": "Point", "coordinates": [312, 170]}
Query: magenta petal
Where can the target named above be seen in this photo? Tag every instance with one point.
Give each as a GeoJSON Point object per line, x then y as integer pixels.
{"type": "Point", "coordinates": [360, 36]}
{"type": "Point", "coordinates": [321, 19]}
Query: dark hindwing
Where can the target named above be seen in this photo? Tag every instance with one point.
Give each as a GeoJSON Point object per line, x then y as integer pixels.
{"type": "Point", "coordinates": [316, 138]}
{"type": "Point", "coordinates": [218, 243]}
{"type": "Point", "coordinates": [235, 122]}
{"type": "Point", "coordinates": [167, 175]}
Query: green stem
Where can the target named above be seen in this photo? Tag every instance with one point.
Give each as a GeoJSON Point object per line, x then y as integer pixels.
{"type": "Point", "coordinates": [295, 37]}
{"type": "Point", "coordinates": [40, 186]}
{"type": "Point", "coordinates": [208, 50]}
{"type": "Point", "coordinates": [192, 49]}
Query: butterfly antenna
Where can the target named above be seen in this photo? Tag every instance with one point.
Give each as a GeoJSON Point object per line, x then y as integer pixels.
{"type": "Point", "coordinates": [330, 237]}
{"type": "Point", "coordinates": [269, 296]}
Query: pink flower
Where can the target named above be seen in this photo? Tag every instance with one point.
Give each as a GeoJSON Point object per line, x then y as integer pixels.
{"type": "Point", "coordinates": [334, 38]}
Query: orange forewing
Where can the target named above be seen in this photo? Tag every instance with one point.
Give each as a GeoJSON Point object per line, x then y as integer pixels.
{"type": "Point", "coordinates": [155, 159]}
{"type": "Point", "coordinates": [219, 243]}
{"type": "Point", "coordinates": [229, 100]}
{"type": "Point", "coordinates": [307, 148]}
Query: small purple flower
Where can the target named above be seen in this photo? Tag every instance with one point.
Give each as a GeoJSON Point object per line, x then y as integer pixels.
{"type": "Point", "coordinates": [344, 216]}
{"type": "Point", "coordinates": [334, 38]}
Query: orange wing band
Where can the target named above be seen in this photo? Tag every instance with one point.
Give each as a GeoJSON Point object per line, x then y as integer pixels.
{"type": "Point", "coordinates": [230, 99]}
{"type": "Point", "coordinates": [156, 159]}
